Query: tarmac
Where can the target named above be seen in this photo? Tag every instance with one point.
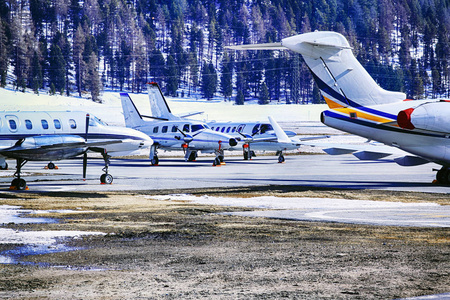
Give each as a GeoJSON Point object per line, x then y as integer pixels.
{"type": "Point", "coordinates": [327, 171]}
{"type": "Point", "coordinates": [333, 172]}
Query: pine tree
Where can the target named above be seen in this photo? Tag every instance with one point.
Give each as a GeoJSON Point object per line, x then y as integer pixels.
{"type": "Point", "coordinates": [263, 94]}
{"type": "Point", "coordinates": [209, 81]}
{"type": "Point", "coordinates": [57, 69]}
{"type": "Point", "coordinates": [93, 78]}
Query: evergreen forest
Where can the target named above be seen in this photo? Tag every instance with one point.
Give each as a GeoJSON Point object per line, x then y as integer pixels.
{"type": "Point", "coordinates": [77, 47]}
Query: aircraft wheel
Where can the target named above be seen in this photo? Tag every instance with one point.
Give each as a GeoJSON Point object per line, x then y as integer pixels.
{"type": "Point", "coordinates": [281, 159]}
{"type": "Point", "coordinates": [245, 155]}
{"type": "Point", "coordinates": [443, 176]}
{"type": "Point", "coordinates": [19, 184]}
{"type": "Point", "coordinates": [155, 161]}
{"type": "Point", "coordinates": [4, 167]}
{"type": "Point", "coordinates": [216, 162]}
{"type": "Point", "coordinates": [106, 179]}
{"type": "Point", "coordinates": [192, 156]}
{"type": "Point", "coordinates": [51, 166]}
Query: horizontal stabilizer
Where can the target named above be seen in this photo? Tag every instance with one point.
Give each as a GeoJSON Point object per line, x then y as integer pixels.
{"type": "Point", "coordinates": [370, 155]}
{"type": "Point", "coordinates": [265, 46]}
{"type": "Point", "coordinates": [190, 114]}
{"type": "Point", "coordinates": [409, 161]}
{"type": "Point", "coordinates": [338, 151]}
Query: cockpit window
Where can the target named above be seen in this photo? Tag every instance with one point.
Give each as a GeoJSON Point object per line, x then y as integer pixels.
{"type": "Point", "coordinates": [255, 129]}
{"type": "Point", "coordinates": [197, 127]}
{"type": "Point", "coordinates": [265, 128]}
{"type": "Point", "coordinates": [186, 128]}
{"type": "Point", "coordinates": [94, 121]}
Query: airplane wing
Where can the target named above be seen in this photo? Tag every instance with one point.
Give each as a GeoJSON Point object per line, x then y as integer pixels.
{"type": "Point", "coordinates": [371, 151]}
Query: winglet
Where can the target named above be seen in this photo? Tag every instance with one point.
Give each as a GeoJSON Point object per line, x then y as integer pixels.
{"type": "Point", "coordinates": [281, 135]}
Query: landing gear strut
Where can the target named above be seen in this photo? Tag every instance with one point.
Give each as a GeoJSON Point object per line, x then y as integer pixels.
{"type": "Point", "coordinates": [280, 157]}
{"type": "Point", "coordinates": [443, 175]}
{"type": "Point", "coordinates": [154, 160]}
{"type": "Point", "coordinates": [19, 183]}
{"type": "Point", "coordinates": [106, 178]}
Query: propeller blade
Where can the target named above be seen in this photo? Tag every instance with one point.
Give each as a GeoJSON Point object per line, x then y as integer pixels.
{"type": "Point", "coordinates": [84, 165]}
{"type": "Point", "coordinates": [87, 127]}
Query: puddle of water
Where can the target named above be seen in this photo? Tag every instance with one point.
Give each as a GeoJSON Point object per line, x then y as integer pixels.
{"type": "Point", "coordinates": [32, 242]}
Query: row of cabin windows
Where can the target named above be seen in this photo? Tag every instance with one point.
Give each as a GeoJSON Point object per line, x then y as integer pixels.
{"type": "Point", "coordinates": [44, 123]}
{"type": "Point", "coordinates": [186, 128]}
{"type": "Point", "coordinates": [258, 128]}
{"type": "Point", "coordinates": [226, 129]}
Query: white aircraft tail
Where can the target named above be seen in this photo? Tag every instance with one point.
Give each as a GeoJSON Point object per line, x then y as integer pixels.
{"type": "Point", "coordinates": [341, 78]}
{"type": "Point", "coordinates": [131, 114]}
{"type": "Point", "coordinates": [158, 104]}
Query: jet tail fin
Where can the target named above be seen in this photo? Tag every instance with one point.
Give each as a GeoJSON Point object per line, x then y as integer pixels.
{"type": "Point", "coordinates": [131, 114]}
{"type": "Point", "coordinates": [158, 104]}
{"type": "Point", "coordinates": [342, 80]}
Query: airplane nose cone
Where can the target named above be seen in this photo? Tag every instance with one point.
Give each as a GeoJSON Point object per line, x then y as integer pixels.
{"type": "Point", "coordinates": [233, 142]}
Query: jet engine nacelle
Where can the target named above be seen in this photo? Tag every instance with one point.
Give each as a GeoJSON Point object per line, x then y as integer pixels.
{"type": "Point", "coordinates": [47, 147]}
{"type": "Point", "coordinates": [431, 116]}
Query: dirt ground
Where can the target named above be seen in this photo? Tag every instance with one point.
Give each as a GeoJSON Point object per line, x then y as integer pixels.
{"type": "Point", "coordinates": [178, 250]}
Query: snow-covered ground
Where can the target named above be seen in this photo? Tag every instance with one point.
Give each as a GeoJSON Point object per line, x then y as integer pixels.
{"type": "Point", "coordinates": [111, 111]}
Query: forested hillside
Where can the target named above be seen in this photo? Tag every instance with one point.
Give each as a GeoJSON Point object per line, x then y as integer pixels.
{"type": "Point", "coordinates": [74, 47]}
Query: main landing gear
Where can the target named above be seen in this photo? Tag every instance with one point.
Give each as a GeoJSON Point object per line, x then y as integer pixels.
{"type": "Point", "coordinates": [19, 183]}
{"type": "Point", "coordinates": [106, 178]}
{"type": "Point", "coordinates": [280, 157]}
{"type": "Point", "coordinates": [443, 175]}
{"type": "Point", "coordinates": [247, 152]}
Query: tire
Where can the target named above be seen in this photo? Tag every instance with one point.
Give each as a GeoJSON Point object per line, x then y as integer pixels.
{"type": "Point", "coordinates": [22, 184]}
{"type": "Point", "coordinates": [106, 179]}
{"type": "Point", "coordinates": [281, 159]}
{"type": "Point", "coordinates": [5, 167]}
{"type": "Point", "coordinates": [51, 166]}
{"type": "Point", "coordinates": [155, 161]}
{"type": "Point", "coordinates": [245, 155]}
{"type": "Point", "coordinates": [443, 176]}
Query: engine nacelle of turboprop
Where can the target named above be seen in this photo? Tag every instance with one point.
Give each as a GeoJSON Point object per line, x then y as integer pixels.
{"type": "Point", "coordinates": [431, 116]}
{"type": "Point", "coordinates": [55, 147]}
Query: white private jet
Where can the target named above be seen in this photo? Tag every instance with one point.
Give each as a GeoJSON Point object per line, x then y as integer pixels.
{"type": "Point", "coordinates": [48, 136]}
{"type": "Point", "coordinates": [359, 106]}
{"type": "Point", "coordinates": [170, 132]}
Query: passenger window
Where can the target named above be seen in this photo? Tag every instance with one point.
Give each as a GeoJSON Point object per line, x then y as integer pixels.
{"type": "Point", "coordinates": [234, 129]}
{"type": "Point", "coordinates": [28, 124]}
{"type": "Point", "coordinates": [164, 129]}
{"type": "Point", "coordinates": [228, 129]}
{"type": "Point", "coordinates": [186, 128]}
{"type": "Point", "coordinates": [44, 124]}
{"type": "Point", "coordinates": [12, 124]}
{"type": "Point", "coordinates": [155, 129]}
{"type": "Point", "coordinates": [174, 128]}
{"type": "Point", "coordinates": [218, 128]}
{"type": "Point", "coordinates": [212, 128]}
{"type": "Point", "coordinates": [223, 129]}
{"type": "Point", "coordinates": [57, 124]}
{"type": "Point", "coordinates": [72, 124]}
